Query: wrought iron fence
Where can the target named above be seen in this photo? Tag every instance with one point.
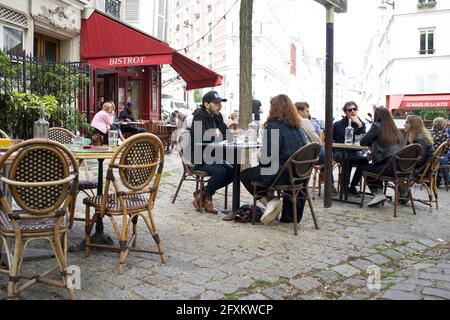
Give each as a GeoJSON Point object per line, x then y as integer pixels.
{"type": "Point", "coordinates": [68, 82]}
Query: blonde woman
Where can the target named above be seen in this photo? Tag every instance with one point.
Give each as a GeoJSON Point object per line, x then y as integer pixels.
{"type": "Point", "coordinates": [417, 133]}
{"type": "Point", "coordinates": [103, 120]}
{"type": "Point", "coordinates": [440, 135]}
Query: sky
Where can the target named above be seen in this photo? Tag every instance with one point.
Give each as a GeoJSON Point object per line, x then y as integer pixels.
{"type": "Point", "coordinates": [353, 30]}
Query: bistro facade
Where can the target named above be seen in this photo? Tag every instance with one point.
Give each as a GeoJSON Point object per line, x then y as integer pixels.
{"type": "Point", "coordinates": [126, 66]}
{"type": "Point", "coordinates": [400, 105]}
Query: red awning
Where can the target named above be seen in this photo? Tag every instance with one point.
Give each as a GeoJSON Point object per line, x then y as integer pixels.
{"type": "Point", "coordinates": [433, 101]}
{"type": "Point", "coordinates": [107, 43]}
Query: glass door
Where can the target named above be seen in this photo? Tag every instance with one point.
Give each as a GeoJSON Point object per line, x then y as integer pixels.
{"type": "Point", "coordinates": [134, 96]}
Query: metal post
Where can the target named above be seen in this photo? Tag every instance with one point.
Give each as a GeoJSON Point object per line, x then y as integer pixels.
{"type": "Point", "coordinates": [329, 108]}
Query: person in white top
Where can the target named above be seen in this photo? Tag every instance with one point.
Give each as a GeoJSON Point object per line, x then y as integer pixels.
{"type": "Point", "coordinates": [307, 126]}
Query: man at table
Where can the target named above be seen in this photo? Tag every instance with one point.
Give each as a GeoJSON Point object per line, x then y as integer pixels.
{"type": "Point", "coordinates": [127, 116]}
{"type": "Point", "coordinates": [208, 117]}
{"type": "Point", "coordinates": [356, 158]}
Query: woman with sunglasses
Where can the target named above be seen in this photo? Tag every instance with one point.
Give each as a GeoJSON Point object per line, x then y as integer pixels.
{"type": "Point", "coordinates": [350, 109]}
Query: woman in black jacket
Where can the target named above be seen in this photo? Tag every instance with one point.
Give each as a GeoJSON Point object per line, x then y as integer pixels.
{"type": "Point", "coordinates": [385, 141]}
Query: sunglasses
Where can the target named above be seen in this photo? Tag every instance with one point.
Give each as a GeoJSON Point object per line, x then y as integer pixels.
{"type": "Point", "coordinates": [352, 109]}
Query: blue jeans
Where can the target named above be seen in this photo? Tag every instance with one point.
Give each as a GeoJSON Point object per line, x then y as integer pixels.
{"type": "Point", "coordinates": [221, 176]}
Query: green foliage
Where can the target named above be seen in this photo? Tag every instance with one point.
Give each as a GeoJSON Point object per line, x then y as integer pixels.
{"type": "Point", "coordinates": [431, 114]}
{"type": "Point", "coordinates": [6, 71]}
{"type": "Point", "coordinates": [197, 96]}
{"type": "Point", "coordinates": [22, 110]}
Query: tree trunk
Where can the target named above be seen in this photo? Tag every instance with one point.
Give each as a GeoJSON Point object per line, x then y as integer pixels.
{"type": "Point", "coordinates": [245, 60]}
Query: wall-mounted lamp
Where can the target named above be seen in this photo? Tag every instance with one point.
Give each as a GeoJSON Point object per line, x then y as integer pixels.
{"type": "Point", "coordinates": [383, 5]}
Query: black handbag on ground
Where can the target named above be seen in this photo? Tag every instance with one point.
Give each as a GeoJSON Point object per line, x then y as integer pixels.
{"type": "Point", "coordinates": [244, 214]}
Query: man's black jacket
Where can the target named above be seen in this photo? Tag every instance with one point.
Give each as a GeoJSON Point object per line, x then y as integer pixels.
{"type": "Point", "coordinates": [339, 129]}
{"type": "Point", "coordinates": [207, 121]}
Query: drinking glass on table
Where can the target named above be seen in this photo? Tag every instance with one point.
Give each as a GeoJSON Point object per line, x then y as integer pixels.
{"type": "Point", "coordinates": [113, 139]}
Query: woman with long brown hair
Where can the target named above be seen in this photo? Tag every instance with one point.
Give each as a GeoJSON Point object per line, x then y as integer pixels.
{"type": "Point", "coordinates": [385, 141]}
{"type": "Point", "coordinates": [284, 131]}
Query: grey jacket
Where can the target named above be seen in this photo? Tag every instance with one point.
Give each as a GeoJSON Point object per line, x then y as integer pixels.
{"type": "Point", "coordinates": [379, 153]}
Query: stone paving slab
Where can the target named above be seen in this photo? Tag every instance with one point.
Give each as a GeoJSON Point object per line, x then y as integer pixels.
{"type": "Point", "coordinates": [208, 258]}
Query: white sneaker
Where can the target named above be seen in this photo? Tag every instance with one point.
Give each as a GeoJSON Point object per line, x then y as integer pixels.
{"type": "Point", "coordinates": [379, 199]}
{"type": "Point", "coordinates": [273, 210]}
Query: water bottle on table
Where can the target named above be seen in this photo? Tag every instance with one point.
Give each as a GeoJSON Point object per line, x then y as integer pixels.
{"type": "Point", "coordinates": [349, 133]}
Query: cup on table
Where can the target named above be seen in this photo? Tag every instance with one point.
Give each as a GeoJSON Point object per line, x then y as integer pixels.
{"type": "Point", "coordinates": [79, 142]}
{"type": "Point", "coordinates": [358, 139]}
{"type": "Point", "coordinates": [113, 139]}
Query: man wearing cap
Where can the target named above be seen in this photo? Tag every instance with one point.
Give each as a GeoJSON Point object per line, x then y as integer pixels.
{"type": "Point", "coordinates": [127, 116]}
{"type": "Point", "coordinates": [208, 117]}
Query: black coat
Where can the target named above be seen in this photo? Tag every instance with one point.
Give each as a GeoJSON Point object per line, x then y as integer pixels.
{"type": "Point", "coordinates": [379, 153]}
{"type": "Point", "coordinates": [207, 121]}
{"type": "Point", "coordinates": [339, 129]}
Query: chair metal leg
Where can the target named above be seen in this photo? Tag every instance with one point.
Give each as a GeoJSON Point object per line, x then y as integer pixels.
{"type": "Point", "coordinates": [316, 224]}
{"type": "Point", "coordinates": [396, 199]}
{"type": "Point", "coordinates": [226, 197]}
{"type": "Point", "coordinates": [363, 195]}
{"type": "Point", "coordinates": [294, 212]}
{"type": "Point", "coordinates": [411, 198]}
{"type": "Point", "coordinates": [179, 187]}
{"type": "Point", "coordinates": [254, 207]}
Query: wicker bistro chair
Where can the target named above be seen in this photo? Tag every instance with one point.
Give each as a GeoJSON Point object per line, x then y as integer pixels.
{"type": "Point", "coordinates": [43, 181]}
{"type": "Point", "coordinates": [402, 165]}
{"type": "Point", "coordinates": [87, 186]}
{"type": "Point", "coordinates": [429, 177]}
{"type": "Point", "coordinates": [318, 177]}
{"type": "Point", "coordinates": [139, 162]}
{"type": "Point", "coordinates": [3, 135]}
{"type": "Point", "coordinates": [299, 168]}
{"type": "Point", "coordinates": [197, 176]}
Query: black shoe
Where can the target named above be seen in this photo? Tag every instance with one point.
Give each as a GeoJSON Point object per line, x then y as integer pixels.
{"type": "Point", "coordinates": [353, 191]}
{"type": "Point", "coordinates": [333, 189]}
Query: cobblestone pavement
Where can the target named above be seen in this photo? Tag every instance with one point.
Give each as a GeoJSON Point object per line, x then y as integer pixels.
{"type": "Point", "coordinates": [208, 258]}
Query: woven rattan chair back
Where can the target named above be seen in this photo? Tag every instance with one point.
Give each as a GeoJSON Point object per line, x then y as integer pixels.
{"type": "Point", "coordinates": [406, 160]}
{"type": "Point", "coordinates": [40, 175]}
{"type": "Point", "coordinates": [3, 135]}
{"type": "Point", "coordinates": [301, 164]}
{"type": "Point", "coordinates": [61, 135]}
{"type": "Point", "coordinates": [140, 160]}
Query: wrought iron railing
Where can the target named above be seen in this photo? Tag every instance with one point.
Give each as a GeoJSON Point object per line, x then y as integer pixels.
{"type": "Point", "coordinates": [112, 7]}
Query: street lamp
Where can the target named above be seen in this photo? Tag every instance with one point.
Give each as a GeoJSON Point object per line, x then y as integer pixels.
{"type": "Point", "coordinates": [384, 2]}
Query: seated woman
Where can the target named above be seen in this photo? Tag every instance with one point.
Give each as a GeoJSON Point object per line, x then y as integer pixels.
{"type": "Point", "coordinates": [385, 141]}
{"type": "Point", "coordinates": [417, 133]}
{"type": "Point", "coordinates": [283, 124]}
{"type": "Point", "coordinates": [103, 121]}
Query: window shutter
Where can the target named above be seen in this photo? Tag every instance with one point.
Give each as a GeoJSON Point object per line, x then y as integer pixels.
{"type": "Point", "coordinates": [132, 10]}
{"type": "Point", "coordinates": [101, 5]}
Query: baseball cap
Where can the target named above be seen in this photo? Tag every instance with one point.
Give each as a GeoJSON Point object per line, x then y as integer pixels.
{"type": "Point", "coordinates": [213, 96]}
{"type": "Point", "coordinates": [130, 105]}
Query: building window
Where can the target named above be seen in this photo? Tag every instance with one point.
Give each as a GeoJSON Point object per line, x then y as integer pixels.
{"type": "Point", "coordinates": [427, 41]}
{"type": "Point", "coordinates": [131, 10]}
{"type": "Point", "coordinates": [11, 39]}
{"type": "Point", "coordinates": [210, 60]}
{"type": "Point", "coordinates": [426, 3]}
{"type": "Point", "coordinates": [46, 48]}
{"type": "Point", "coordinates": [112, 7]}
{"type": "Point", "coordinates": [210, 32]}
